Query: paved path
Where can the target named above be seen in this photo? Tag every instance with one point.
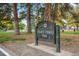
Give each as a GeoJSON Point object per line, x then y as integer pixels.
{"type": "Point", "coordinates": [2, 54]}
{"type": "Point", "coordinates": [51, 50]}
{"type": "Point", "coordinates": [21, 49]}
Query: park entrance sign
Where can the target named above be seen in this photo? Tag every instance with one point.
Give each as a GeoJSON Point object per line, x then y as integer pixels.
{"type": "Point", "coordinates": [48, 31]}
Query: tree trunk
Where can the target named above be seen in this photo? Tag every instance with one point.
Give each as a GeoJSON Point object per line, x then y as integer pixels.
{"type": "Point", "coordinates": [29, 18]}
{"type": "Point", "coordinates": [16, 20]}
{"type": "Point", "coordinates": [47, 13]}
{"type": "Point", "coordinates": [77, 27]}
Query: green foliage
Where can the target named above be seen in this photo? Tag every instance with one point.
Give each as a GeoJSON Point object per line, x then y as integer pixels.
{"type": "Point", "coordinates": [60, 22]}
{"type": "Point", "coordinates": [59, 12]}
{"type": "Point", "coordinates": [21, 26]}
{"type": "Point", "coordinates": [5, 11]}
{"type": "Point", "coordinates": [6, 24]}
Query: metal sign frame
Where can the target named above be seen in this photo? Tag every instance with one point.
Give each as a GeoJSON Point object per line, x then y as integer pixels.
{"type": "Point", "coordinates": [56, 35]}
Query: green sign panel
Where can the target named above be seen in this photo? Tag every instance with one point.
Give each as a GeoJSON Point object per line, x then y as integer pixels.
{"type": "Point", "coordinates": [45, 30]}
{"type": "Point", "coordinates": [49, 32]}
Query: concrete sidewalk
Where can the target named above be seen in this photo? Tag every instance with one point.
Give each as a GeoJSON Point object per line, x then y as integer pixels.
{"type": "Point", "coordinates": [21, 49]}
{"type": "Point", "coordinates": [2, 54]}
{"type": "Point", "coordinates": [29, 49]}
{"type": "Point", "coordinates": [50, 50]}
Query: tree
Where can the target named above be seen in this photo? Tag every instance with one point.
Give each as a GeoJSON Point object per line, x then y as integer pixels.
{"type": "Point", "coordinates": [7, 23]}
{"type": "Point", "coordinates": [16, 20]}
{"type": "Point", "coordinates": [47, 13]}
{"type": "Point", "coordinates": [5, 11]}
{"type": "Point", "coordinates": [29, 18]}
{"type": "Point", "coordinates": [26, 13]}
{"type": "Point", "coordinates": [40, 12]}
{"type": "Point", "coordinates": [75, 14]}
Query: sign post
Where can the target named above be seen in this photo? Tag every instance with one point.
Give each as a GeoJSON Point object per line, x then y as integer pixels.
{"type": "Point", "coordinates": [48, 31]}
{"type": "Point", "coordinates": [36, 37]}
{"type": "Point", "coordinates": [57, 38]}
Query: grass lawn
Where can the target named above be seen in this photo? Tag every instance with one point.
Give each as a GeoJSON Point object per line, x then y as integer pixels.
{"type": "Point", "coordinates": [10, 36]}
{"type": "Point", "coordinates": [6, 33]}
{"type": "Point", "coordinates": [70, 32]}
